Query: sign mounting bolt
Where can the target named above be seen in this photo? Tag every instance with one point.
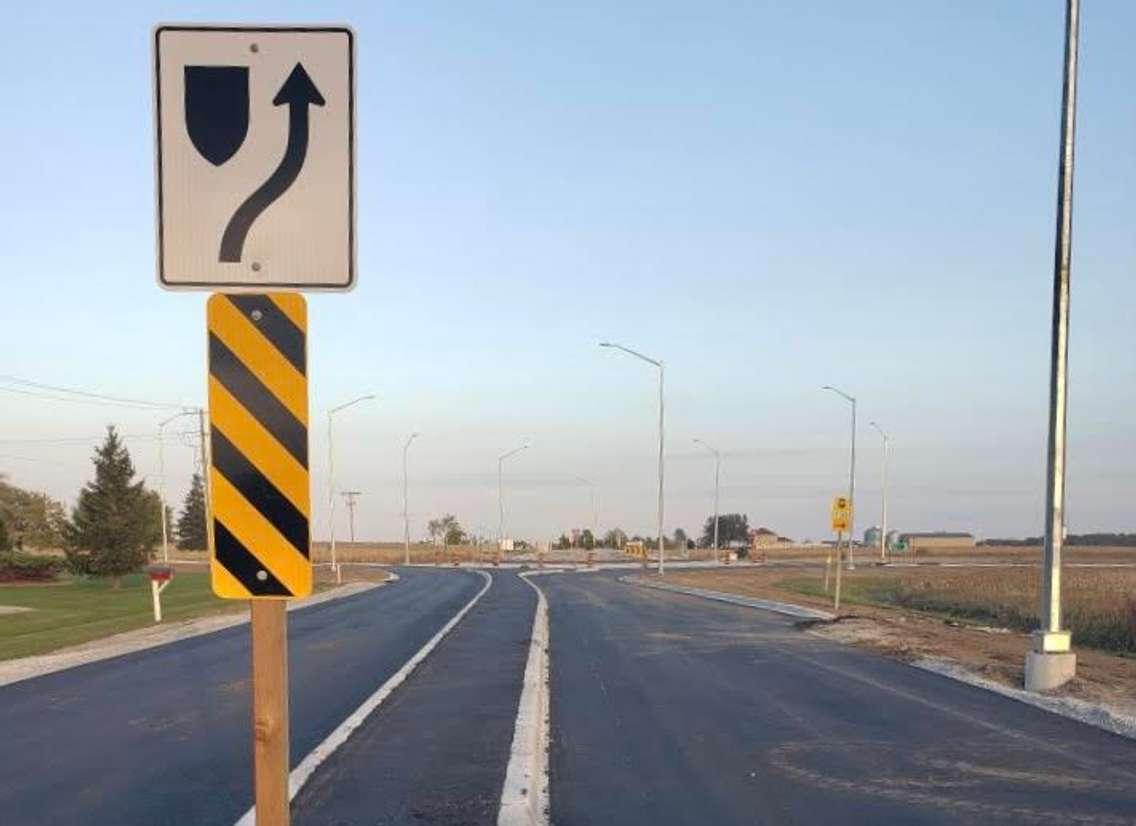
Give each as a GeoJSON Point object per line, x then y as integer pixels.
{"type": "Point", "coordinates": [262, 575]}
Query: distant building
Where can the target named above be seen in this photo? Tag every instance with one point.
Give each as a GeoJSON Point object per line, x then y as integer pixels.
{"type": "Point", "coordinates": [893, 542]}
{"type": "Point", "coordinates": [765, 538]}
{"type": "Point", "coordinates": [934, 540]}
{"type": "Point", "coordinates": [872, 536]}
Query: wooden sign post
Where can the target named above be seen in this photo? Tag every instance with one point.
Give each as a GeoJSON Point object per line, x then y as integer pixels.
{"type": "Point", "coordinates": [270, 711]}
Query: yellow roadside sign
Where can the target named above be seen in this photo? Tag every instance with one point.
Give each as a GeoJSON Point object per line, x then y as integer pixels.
{"type": "Point", "coordinates": [841, 513]}
{"type": "Point", "coordinates": [259, 488]}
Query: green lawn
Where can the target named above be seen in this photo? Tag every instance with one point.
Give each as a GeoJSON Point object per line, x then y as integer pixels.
{"type": "Point", "coordinates": [76, 611]}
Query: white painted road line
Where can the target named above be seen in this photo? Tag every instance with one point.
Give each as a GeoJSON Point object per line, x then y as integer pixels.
{"type": "Point", "coordinates": [303, 772]}
{"type": "Point", "coordinates": [524, 796]}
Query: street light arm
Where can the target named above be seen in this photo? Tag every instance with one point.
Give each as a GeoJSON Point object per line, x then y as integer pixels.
{"type": "Point", "coordinates": [713, 450]}
{"type": "Point", "coordinates": [631, 352]}
{"type": "Point", "coordinates": [839, 392]}
{"type": "Point", "coordinates": [880, 430]}
{"type": "Point", "coordinates": [348, 404]}
{"type": "Point", "coordinates": [512, 452]}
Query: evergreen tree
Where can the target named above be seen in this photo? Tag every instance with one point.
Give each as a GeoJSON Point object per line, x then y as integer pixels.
{"type": "Point", "coordinates": [5, 542]}
{"type": "Point", "coordinates": [191, 523]}
{"type": "Point", "coordinates": [112, 526]}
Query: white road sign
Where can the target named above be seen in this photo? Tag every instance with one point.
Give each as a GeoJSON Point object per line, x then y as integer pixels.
{"type": "Point", "coordinates": [256, 157]}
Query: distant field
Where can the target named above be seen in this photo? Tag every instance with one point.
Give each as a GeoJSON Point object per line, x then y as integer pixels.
{"type": "Point", "coordinates": [76, 611]}
{"type": "Point", "coordinates": [1100, 604]}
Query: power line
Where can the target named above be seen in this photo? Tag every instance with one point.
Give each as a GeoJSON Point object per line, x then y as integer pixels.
{"type": "Point", "coordinates": [102, 398]}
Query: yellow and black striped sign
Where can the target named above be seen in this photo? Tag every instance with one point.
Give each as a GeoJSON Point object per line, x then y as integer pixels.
{"type": "Point", "coordinates": [258, 476]}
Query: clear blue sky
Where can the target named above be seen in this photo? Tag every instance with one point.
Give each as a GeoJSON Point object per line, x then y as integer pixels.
{"type": "Point", "coordinates": [768, 196]}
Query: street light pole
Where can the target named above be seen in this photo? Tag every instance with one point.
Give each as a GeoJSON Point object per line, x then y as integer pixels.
{"type": "Point", "coordinates": [162, 478]}
{"type": "Point", "coordinates": [884, 490]}
{"type": "Point", "coordinates": [331, 478]}
{"type": "Point", "coordinates": [405, 500]}
{"type": "Point", "coordinates": [717, 474]}
{"type": "Point", "coordinates": [501, 494]}
{"type": "Point", "coordinates": [595, 518]}
{"type": "Point", "coordinates": [1050, 662]}
{"type": "Point", "coordinates": [658, 364]}
{"type": "Point", "coordinates": [851, 478]}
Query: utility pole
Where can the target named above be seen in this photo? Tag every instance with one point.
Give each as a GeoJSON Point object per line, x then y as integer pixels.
{"type": "Point", "coordinates": [349, 497]}
{"type": "Point", "coordinates": [1050, 662]}
{"type": "Point", "coordinates": [206, 463]}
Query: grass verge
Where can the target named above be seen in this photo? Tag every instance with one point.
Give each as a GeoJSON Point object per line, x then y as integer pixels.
{"type": "Point", "coordinates": [74, 611]}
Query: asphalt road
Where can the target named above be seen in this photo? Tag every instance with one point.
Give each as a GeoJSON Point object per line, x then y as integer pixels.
{"type": "Point", "coordinates": [437, 750]}
{"type": "Point", "coordinates": [163, 736]}
{"type": "Point", "coordinates": [669, 709]}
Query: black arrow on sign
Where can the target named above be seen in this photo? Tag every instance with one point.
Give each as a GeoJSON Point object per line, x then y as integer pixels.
{"type": "Point", "coordinates": [298, 92]}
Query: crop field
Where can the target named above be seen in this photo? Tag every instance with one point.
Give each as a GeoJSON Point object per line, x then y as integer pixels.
{"type": "Point", "coordinates": [1099, 603]}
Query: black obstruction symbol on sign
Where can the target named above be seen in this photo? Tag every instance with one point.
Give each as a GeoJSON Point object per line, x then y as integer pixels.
{"type": "Point", "coordinates": [217, 110]}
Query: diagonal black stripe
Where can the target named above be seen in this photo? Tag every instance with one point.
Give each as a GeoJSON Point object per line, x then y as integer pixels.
{"type": "Point", "coordinates": [258, 400]}
{"type": "Point", "coordinates": [260, 493]}
{"type": "Point", "coordinates": [275, 326]}
{"type": "Point", "coordinates": [244, 567]}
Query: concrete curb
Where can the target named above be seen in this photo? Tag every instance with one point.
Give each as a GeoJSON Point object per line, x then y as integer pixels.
{"type": "Point", "coordinates": [1091, 714]}
{"type": "Point", "coordinates": [303, 772]}
{"type": "Point", "coordinates": [524, 796]}
{"type": "Point", "coordinates": [787, 608]}
{"type": "Point", "coordinates": [153, 636]}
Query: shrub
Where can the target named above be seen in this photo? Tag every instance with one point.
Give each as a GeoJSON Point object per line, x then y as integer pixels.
{"type": "Point", "coordinates": [17, 567]}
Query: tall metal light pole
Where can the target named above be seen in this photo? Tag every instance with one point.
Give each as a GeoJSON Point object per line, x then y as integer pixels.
{"type": "Point", "coordinates": [658, 364]}
{"type": "Point", "coordinates": [331, 478]}
{"type": "Point", "coordinates": [501, 494]}
{"type": "Point", "coordinates": [162, 478]}
{"type": "Point", "coordinates": [884, 489]}
{"type": "Point", "coordinates": [405, 499]}
{"type": "Point", "coordinates": [1050, 662]}
{"type": "Point", "coordinates": [595, 517]}
{"type": "Point", "coordinates": [851, 477]}
{"type": "Point", "coordinates": [717, 475]}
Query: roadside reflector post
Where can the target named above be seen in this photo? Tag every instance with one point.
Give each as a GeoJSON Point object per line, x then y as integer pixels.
{"type": "Point", "coordinates": [160, 578]}
{"type": "Point", "coordinates": [827, 568]}
{"type": "Point", "coordinates": [270, 710]}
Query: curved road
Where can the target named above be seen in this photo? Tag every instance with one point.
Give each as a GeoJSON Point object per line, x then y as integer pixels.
{"type": "Point", "coordinates": [163, 736]}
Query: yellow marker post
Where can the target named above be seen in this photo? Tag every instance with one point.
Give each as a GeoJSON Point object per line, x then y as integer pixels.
{"type": "Point", "coordinates": [258, 415]}
{"type": "Point", "coordinates": [259, 492]}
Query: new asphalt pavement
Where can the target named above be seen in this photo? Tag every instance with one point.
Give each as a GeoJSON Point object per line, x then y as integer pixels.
{"type": "Point", "coordinates": [163, 736]}
{"type": "Point", "coordinates": [665, 709]}
{"type": "Point", "coordinates": [437, 750]}
{"type": "Point", "coordinates": [670, 709]}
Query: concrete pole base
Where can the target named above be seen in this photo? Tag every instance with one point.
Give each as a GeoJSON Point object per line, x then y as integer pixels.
{"type": "Point", "coordinates": [1045, 671]}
